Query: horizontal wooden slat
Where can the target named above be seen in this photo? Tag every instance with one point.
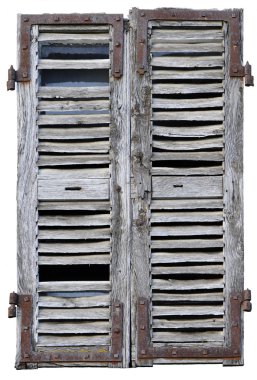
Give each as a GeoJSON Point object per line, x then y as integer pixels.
{"type": "Point", "coordinates": [187, 310]}
{"type": "Point", "coordinates": [206, 323]}
{"type": "Point", "coordinates": [72, 302]}
{"type": "Point", "coordinates": [205, 143]}
{"type": "Point", "coordinates": [175, 88]}
{"type": "Point", "coordinates": [73, 64]}
{"type": "Point", "coordinates": [73, 286]}
{"type": "Point", "coordinates": [188, 74]}
{"type": "Point", "coordinates": [187, 243]}
{"type": "Point", "coordinates": [187, 284]}
{"type": "Point", "coordinates": [189, 156]}
{"type": "Point", "coordinates": [186, 257]}
{"type": "Point", "coordinates": [202, 131]}
{"type": "Point", "coordinates": [103, 246]}
{"type": "Point", "coordinates": [74, 205]}
{"type": "Point", "coordinates": [89, 313]}
{"type": "Point", "coordinates": [74, 29]}
{"type": "Point", "coordinates": [99, 146]}
{"type": "Point", "coordinates": [75, 38]}
{"type": "Point", "coordinates": [73, 133]}
{"type": "Point", "coordinates": [187, 216]}
{"type": "Point", "coordinates": [86, 159]}
{"type": "Point", "coordinates": [190, 62]}
{"type": "Point", "coordinates": [73, 328]}
{"type": "Point", "coordinates": [187, 48]}
{"type": "Point", "coordinates": [56, 340]}
{"type": "Point", "coordinates": [185, 187]}
{"type": "Point", "coordinates": [193, 230]}
{"type": "Point", "coordinates": [178, 24]}
{"type": "Point", "coordinates": [73, 221]}
{"type": "Point", "coordinates": [193, 36]}
{"type": "Point", "coordinates": [74, 92]}
{"type": "Point", "coordinates": [48, 174]}
{"type": "Point", "coordinates": [184, 297]}
{"type": "Point", "coordinates": [66, 234]}
{"type": "Point", "coordinates": [202, 269]}
{"type": "Point", "coordinates": [189, 115]}
{"type": "Point", "coordinates": [174, 204]}
{"type": "Point", "coordinates": [73, 119]}
{"type": "Point", "coordinates": [205, 170]}
{"type": "Point", "coordinates": [70, 105]}
{"type": "Point", "coordinates": [74, 259]}
{"type": "Point", "coordinates": [90, 188]}
{"type": "Point", "coordinates": [210, 336]}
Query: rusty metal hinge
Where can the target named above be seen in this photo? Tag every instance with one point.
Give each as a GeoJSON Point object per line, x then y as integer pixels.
{"type": "Point", "coordinates": [13, 301]}
{"type": "Point", "coordinates": [249, 78]}
{"type": "Point", "coordinates": [11, 79]}
{"type": "Point", "coordinates": [146, 350]}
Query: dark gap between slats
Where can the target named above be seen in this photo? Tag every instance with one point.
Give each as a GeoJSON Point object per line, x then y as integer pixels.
{"type": "Point", "coordinates": [74, 273]}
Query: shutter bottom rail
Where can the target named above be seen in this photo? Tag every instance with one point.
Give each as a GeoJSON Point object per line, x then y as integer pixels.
{"type": "Point", "coordinates": [239, 302]}
{"type": "Point", "coordinates": [109, 354]}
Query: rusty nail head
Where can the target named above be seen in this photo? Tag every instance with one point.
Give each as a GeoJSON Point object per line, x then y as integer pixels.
{"type": "Point", "coordinates": [118, 18]}
{"type": "Point", "coordinates": [25, 328]}
{"type": "Point", "coordinates": [56, 18]}
{"type": "Point", "coordinates": [234, 15]}
{"type": "Point", "coordinates": [142, 14]}
{"type": "Point", "coordinates": [26, 299]}
{"type": "Point", "coordinates": [235, 71]}
{"type": "Point", "coordinates": [142, 302]}
{"type": "Point", "coordinates": [142, 41]}
{"type": "Point", "coordinates": [116, 355]}
{"type": "Point", "coordinates": [117, 44]}
{"type": "Point", "coordinates": [26, 355]}
{"type": "Point", "coordinates": [235, 324]}
{"type": "Point", "coordinates": [173, 353]}
{"type": "Point", "coordinates": [205, 352]}
{"type": "Point", "coordinates": [142, 327]}
{"type": "Point", "coordinates": [117, 330]}
{"type": "Point", "coordinates": [26, 19]}
{"type": "Point", "coordinates": [86, 356]}
{"type": "Point", "coordinates": [143, 352]}
{"type": "Point", "coordinates": [86, 18]}
{"type": "Point", "coordinates": [24, 47]}
{"type": "Point", "coordinates": [117, 305]}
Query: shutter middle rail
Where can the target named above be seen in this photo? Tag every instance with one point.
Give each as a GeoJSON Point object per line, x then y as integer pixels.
{"type": "Point", "coordinates": [239, 301]}
{"type": "Point", "coordinates": [109, 353]}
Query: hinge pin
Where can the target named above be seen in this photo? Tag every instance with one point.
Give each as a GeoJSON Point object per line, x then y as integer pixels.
{"type": "Point", "coordinates": [11, 79]}
{"type": "Point", "coordinates": [13, 301]}
{"type": "Point", "coordinates": [249, 79]}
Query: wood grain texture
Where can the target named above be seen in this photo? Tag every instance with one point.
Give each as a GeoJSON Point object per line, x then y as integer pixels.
{"type": "Point", "coordinates": [75, 259]}
{"type": "Point", "coordinates": [189, 74]}
{"type": "Point", "coordinates": [73, 119]}
{"type": "Point", "coordinates": [71, 105]}
{"type": "Point", "coordinates": [27, 188]}
{"type": "Point", "coordinates": [183, 187]}
{"type": "Point", "coordinates": [190, 62]}
{"type": "Point", "coordinates": [74, 327]}
{"type": "Point", "coordinates": [58, 286]}
{"type": "Point", "coordinates": [73, 64]}
{"type": "Point", "coordinates": [140, 170]}
{"type": "Point", "coordinates": [74, 302]}
{"type": "Point", "coordinates": [233, 194]}
{"type": "Point", "coordinates": [74, 159]}
{"type": "Point", "coordinates": [57, 340]}
{"type": "Point", "coordinates": [74, 92]}
{"type": "Point", "coordinates": [73, 133]}
{"type": "Point", "coordinates": [202, 131]}
{"type": "Point", "coordinates": [187, 257]}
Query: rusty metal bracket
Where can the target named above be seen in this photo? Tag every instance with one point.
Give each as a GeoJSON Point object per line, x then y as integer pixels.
{"type": "Point", "coordinates": [11, 79]}
{"type": "Point", "coordinates": [13, 301]}
{"type": "Point", "coordinates": [109, 354]}
{"type": "Point", "coordinates": [231, 16]}
{"type": "Point", "coordinates": [26, 22]}
{"type": "Point", "coordinates": [146, 350]}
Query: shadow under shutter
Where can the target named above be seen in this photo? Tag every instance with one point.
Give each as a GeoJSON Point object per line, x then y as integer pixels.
{"type": "Point", "coordinates": [187, 173]}
{"type": "Point", "coordinates": [69, 201]}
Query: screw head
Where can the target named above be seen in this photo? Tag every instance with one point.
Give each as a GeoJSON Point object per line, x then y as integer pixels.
{"type": "Point", "coordinates": [86, 356]}
{"type": "Point", "coordinates": [142, 327]}
{"type": "Point", "coordinates": [117, 330]}
{"type": "Point", "coordinates": [173, 353]}
{"type": "Point", "coordinates": [143, 352]}
{"type": "Point", "coordinates": [26, 19]}
{"type": "Point", "coordinates": [26, 299]}
{"type": "Point", "coordinates": [142, 14]}
{"type": "Point", "coordinates": [115, 355]}
{"type": "Point", "coordinates": [26, 356]}
{"type": "Point", "coordinates": [142, 302]}
{"type": "Point", "coordinates": [56, 18]}
{"type": "Point", "coordinates": [117, 18]}
{"type": "Point", "coordinates": [117, 44]}
{"type": "Point", "coordinates": [205, 352]}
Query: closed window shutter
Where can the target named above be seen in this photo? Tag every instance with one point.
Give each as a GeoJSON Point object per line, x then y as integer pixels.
{"type": "Point", "coordinates": [187, 172]}
{"type": "Point", "coordinates": [69, 195]}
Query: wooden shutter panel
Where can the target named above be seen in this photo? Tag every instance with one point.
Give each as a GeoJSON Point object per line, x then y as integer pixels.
{"type": "Point", "coordinates": [71, 193]}
{"type": "Point", "coordinates": [187, 187]}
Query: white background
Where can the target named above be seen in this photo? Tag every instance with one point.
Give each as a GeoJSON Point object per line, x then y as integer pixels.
{"type": "Point", "coordinates": [9, 10]}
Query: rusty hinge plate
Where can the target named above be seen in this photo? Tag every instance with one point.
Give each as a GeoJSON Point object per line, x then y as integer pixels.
{"type": "Point", "coordinates": [231, 16]}
{"type": "Point", "coordinates": [112, 354]}
{"type": "Point", "coordinates": [146, 350]}
{"type": "Point", "coordinates": [26, 22]}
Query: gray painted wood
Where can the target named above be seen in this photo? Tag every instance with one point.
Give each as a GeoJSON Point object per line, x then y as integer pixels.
{"type": "Point", "coordinates": [27, 188]}
{"type": "Point", "coordinates": [183, 187]}
{"type": "Point", "coordinates": [140, 169]}
{"type": "Point", "coordinates": [233, 194]}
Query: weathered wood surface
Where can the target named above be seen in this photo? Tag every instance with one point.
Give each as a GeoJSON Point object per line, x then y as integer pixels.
{"type": "Point", "coordinates": [187, 230]}
{"type": "Point", "coordinates": [177, 337]}
{"type": "Point", "coordinates": [27, 188]}
{"type": "Point", "coordinates": [73, 133]}
{"type": "Point", "coordinates": [74, 92]}
{"type": "Point", "coordinates": [80, 159]}
{"type": "Point", "coordinates": [189, 156]}
{"type": "Point", "coordinates": [62, 173]}
{"type": "Point", "coordinates": [205, 143]}
{"type": "Point", "coordinates": [74, 205]}
{"type": "Point", "coordinates": [183, 187]}
{"type": "Point", "coordinates": [64, 248]}
{"type": "Point", "coordinates": [233, 194]}
{"type": "Point", "coordinates": [189, 74]}
{"type": "Point", "coordinates": [56, 340]}
{"type": "Point", "coordinates": [198, 297]}
{"type": "Point", "coordinates": [187, 243]}
{"type": "Point", "coordinates": [187, 310]}
{"type": "Point", "coordinates": [167, 88]}
{"type": "Point", "coordinates": [187, 48]}
{"type": "Point", "coordinates": [90, 188]}
{"type": "Point", "coordinates": [73, 328]}
{"type": "Point", "coordinates": [77, 38]}
{"type": "Point", "coordinates": [73, 64]}
{"type": "Point", "coordinates": [192, 24]}
{"type": "Point", "coordinates": [74, 28]}
{"type": "Point", "coordinates": [72, 105]}
{"type": "Point", "coordinates": [73, 119]}
{"type": "Point", "coordinates": [100, 146]}
{"type": "Point", "coordinates": [187, 285]}
{"type": "Point", "coordinates": [202, 131]}
{"type": "Point", "coordinates": [187, 257]}
{"type": "Point", "coordinates": [72, 302]}
{"type": "Point", "coordinates": [207, 269]}
{"type": "Point", "coordinates": [174, 204]}
{"type": "Point", "coordinates": [67, 234]}
{"type": "Point", "coordinates": [74, 259]}
{"type": "Point", "coordinates": [59, 286]}
{"type": "Point", "coordinates": [89, 313]}
{"type": "Point", "coordinates": [190, 62]}
{"type": "Point", "coordinates": [209, 170]}
{"type": "Point", "coordinates": [76, 220]}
